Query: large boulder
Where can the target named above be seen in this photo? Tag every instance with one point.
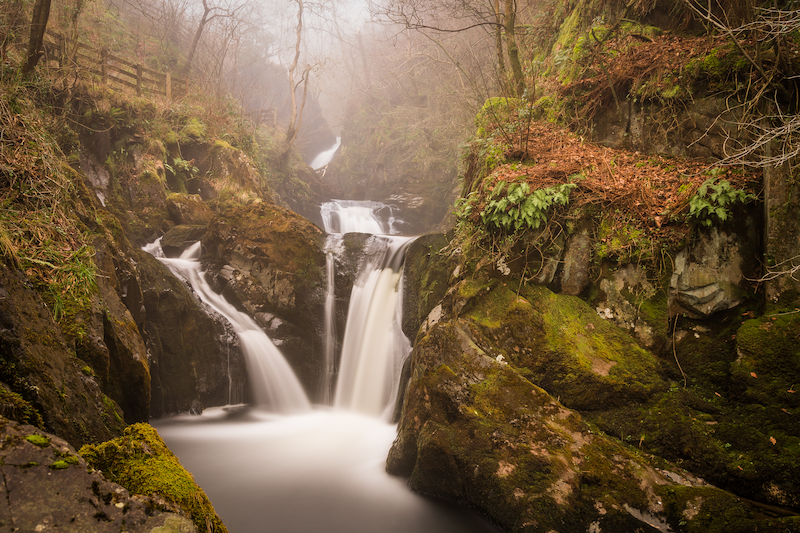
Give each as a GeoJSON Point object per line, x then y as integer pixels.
{"type": "Point", "coordinates": [559, 343]}
{"type": "Point", "coordinates": [140, 461]}
{"type": "Point", "coordinates": [270, 263]}
{"type": "Point", "coordinates": [48, 486]}
{"type": "Point", "coordinates": [475, 430]}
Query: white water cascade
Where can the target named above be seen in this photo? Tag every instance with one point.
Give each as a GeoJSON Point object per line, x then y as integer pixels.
{"type": "Point", "coordinates": [272, 380]}
{"type": "Point", "coordinates": [374, 345]}
{"type": "Point", "coordinates": [323, 158]}
{"type": "Point", "coordinates": [322, 470]}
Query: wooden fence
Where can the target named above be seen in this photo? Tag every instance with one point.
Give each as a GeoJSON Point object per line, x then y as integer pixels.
{"type": "Point", "coordinates": [113, 69]}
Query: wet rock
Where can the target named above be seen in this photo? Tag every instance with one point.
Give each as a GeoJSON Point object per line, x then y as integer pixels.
{"type": "Point", "coordinates": [47, 486]}
{"type": "Point", "coordinates": [188, 209]}
{"type": "Point", "coordinates": [633, 302]}
{"type": "Point", "coordinates": [178, 238]}
{"type": "Point", "coordinates": [560, 344]}
{"type": "Point", "coordinates": [474, 430]}
{"type": "Point", "coordinates": [40, 366]}
{"type": "Point", "coordinates": [141, 462]}
{"type": "Point", "coordinates": [577, 256]}
{"type": "Point", "coordinates": [267, 259]}
{"type": "Point", "coordinates": [195, 360]}
{"type": "Point", "coordinates": [711, 275]}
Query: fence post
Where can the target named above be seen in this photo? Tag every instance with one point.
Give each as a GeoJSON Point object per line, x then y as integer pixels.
{"type": "Point", "coordinates": [103, 67]}
{"type": "Point", "coordinates": [169, 86]}
{"type": "Point", "coordinates": [138, 79]}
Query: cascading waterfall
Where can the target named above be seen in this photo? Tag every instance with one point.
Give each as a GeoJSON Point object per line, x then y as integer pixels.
{"type": "Point", "coordinates": [272, 380]}
{"type": "Point", "coordinates": [374, 345]}
{"type": "Point", "coordinates": [323, 158]}
{"type": "Point", "coordinates": [324, 470]}
{"type": "Point", "coordinates": [354, 216]}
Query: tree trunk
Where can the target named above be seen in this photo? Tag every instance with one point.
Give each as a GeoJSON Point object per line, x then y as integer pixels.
{"type": "Point", "coordinates": [498, 37]}
{"type": "Point", "coordinates": [518, 82]}
{"type": "Point", "coordinates": [41, 12]}
{"type": "Point", "coordinates": [196, 39]}
{"type": "Point", "coordinates": [291, 131]}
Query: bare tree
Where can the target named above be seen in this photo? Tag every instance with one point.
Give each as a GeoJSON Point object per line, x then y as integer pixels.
{"type": "Point", "coordinates": [210, 13]}
{"type": "Point", "coordinates": [462, 16]}
{"type": "Point", "coordinates": [41, 14]}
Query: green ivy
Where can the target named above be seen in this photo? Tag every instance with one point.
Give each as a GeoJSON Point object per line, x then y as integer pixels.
{"type": "Point", "coordinates": [712, 200]}
{"type": "Point", "coordinates": [515, 207]}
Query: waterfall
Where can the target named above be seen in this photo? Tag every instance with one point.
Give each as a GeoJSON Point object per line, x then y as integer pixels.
{"type": "Point", "coordinates": [374, 345]}
{"type": "Point", "coordinates": [272, 380]}
{"type": "Point", "coordinates": [333, 248]}
{"type": "Point", "coordinates": [352, 216]}
{"type": "Point", "coordinates": [323, 158]}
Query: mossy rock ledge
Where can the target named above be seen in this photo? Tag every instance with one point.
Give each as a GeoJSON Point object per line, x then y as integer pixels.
{"type": "Point", "coordinates": [269, 262]}
{"type": "Point", "coordinates": [141, 462]}
{"type": "Point", "coordinates": [477, 430]}
{"type": "Point", "coordinates": [48, 486]}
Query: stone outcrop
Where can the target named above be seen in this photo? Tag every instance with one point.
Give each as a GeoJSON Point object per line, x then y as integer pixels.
{"type": "Point", "coordinates": [47, 486]}
{"type": "Point", "coordinates": [269, 262]}
{"type": "Point", "coordinates": [38, 364]}
{"type": "Point", "coordinates": [195, 360]}
{"type": "Point", "coordinates": [476, 429]}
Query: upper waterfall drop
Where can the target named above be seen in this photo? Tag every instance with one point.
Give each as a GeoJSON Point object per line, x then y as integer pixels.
{"type": "Point", "coordinates": [272, 380]}
{"type": "Point", "coordinates": [355, 216]}
{"type": "Point", "coordinates": [323, 158]}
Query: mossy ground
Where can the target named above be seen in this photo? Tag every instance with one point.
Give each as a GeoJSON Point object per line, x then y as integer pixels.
{"type": "Point", "coordinates": [141, 462]}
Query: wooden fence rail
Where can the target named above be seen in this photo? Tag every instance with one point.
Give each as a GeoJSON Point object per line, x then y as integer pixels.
{"type": "Point", "coordinates": [113, 69]}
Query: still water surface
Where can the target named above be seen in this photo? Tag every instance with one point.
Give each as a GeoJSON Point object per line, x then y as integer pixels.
{"type": "Point", "coordinates": [316, 472]}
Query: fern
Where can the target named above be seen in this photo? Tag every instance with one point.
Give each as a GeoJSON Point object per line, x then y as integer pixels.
{"type": "Point", "coordinates": [712, 200]}
{"type": "Point", "coordinates": [514, 207]}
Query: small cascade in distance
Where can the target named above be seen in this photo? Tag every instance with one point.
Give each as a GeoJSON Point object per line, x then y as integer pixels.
{"type": "Point", "coordinates": [272, 380]}
{"type": "Point", "coordinates": [323, 158]}
{"type": "Point", "coordinates": [374, 345]}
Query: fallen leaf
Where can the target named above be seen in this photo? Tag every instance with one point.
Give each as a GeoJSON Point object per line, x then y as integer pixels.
{"type": "Point", "coordinates": [753, 374]}
{"type": "Point", "coordinates": [772, 440]}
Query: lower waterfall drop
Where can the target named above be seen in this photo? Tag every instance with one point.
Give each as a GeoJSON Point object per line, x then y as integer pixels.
{"type": "Point", "coordinates": [374, 345]}
{"type": "Point", "coordinates": [272, 380]}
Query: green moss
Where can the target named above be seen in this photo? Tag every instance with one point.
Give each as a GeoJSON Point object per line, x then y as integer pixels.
{"type": "Point", "coordinates": [15, 407]}
{"type": "Point", "coordinates": [59, 465]}
{"type": "Point", "coordinates": [141, 462]}
{"type": "Point", "coordinates": [194, 130]}
{"type": "Point", "coordinates": [39, 440]}
{"type": "Point", "coordinates": [87, 371]}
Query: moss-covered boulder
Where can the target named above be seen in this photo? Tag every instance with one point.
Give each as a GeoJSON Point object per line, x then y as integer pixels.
{"type": "Point", "coordinates": [40, 366]}
{"type": "Point", "coordinates": [474, 430]}
{"type": "Point", "coordinates": [178, 238]}
{"type": "Point", "coordinates": [48, 486]}
{"type": "Point", "coordinates": [728, 415]}
{"type": "Point", "coordinates": [270, 262]}
{"type": "Point", "coordinates": [559, 343]}
{"type": "Point", "coordinates": [141, 462]}
{"type": "Point", "coordinates": [188, 209]}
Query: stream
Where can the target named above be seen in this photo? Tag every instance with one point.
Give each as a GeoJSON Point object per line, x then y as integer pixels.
{"type": "Point", "coordinates": [282, 465]}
